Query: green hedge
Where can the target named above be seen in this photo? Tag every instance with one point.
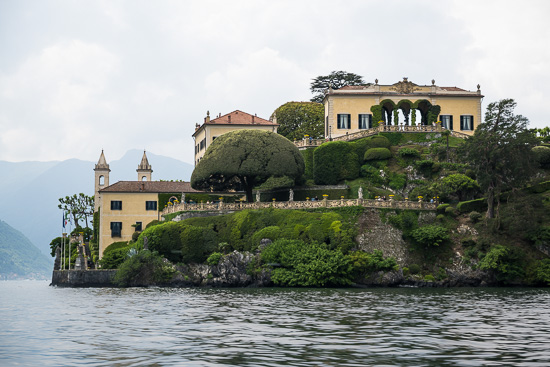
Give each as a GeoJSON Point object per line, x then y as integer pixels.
{"type": "Point", "coordinates": [115, 246]}
{"type": "Point", "coordinates": [377, 154]}
{"type": "Point", "coordinates": [334, 162]}
{"type": "Point", "coordinates": [308, 160]}
{"type": "Point", "coordinates": [478, 205]}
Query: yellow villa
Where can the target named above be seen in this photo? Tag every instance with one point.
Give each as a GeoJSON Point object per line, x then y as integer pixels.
{"type": "Point", "coordinates": [352, 109]}
{"type": "Point", "coordinates": [127, 207]}
{"type": "Point", "coordinates": [206, 133]}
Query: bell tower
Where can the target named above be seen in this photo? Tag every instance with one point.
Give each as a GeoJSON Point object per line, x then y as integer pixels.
{"type": "Point", "coordinates": [144, 169]}
{"type": "Point", "coordinates": [101, 179]}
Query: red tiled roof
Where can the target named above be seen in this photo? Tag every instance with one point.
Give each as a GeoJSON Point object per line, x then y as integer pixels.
{"type": "Point", "coordinates": [353, 87]}
{"type": "Point", "coordinates": [454, 89]}
{"type": "Point", "coordinates": [240, 118]}
{"type": "Point", "coordinates": [150, 187]}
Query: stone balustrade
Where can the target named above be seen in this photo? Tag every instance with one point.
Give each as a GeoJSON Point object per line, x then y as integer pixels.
{"type": "Point", "coordinates": [309, 143]}
{"type": "Point", "coordinates": [367, 203]}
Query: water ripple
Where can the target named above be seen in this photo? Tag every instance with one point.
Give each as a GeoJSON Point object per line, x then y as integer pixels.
{"type": "Point", "coordinates": [42, 325]}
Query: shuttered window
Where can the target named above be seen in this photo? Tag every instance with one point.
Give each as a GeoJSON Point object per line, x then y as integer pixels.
{"type": "Point", "coordinates": [344, 121]}
{"type": "Point", "coordinates": [466, 122]}
{"type": "Point", "coordinates": [365, 121]}
{"type": "Point", "coordinates": [116, 229]}
{"type": "Point", "coordinates": [116, 205]}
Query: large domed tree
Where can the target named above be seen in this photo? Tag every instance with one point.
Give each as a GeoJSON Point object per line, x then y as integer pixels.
{"type": "Point", "coordinates": [242, 159]}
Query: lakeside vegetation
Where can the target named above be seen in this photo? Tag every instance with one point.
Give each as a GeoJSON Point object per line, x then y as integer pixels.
{"type": "Point", "coordinates": [493, 220]}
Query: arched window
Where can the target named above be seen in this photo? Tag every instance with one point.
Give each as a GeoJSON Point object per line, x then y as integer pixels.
{"type": "Point", "coordinates": [101, 180]}
{"type": "Point", "coordinates": [144, 178]}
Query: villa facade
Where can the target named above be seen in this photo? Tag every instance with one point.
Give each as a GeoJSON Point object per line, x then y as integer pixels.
{"type": "Point", "coordinates": [206, 133]}
{"type": "Point", "coordinates": [352, 109]}
{"type": "Point", "coordinates": [126, 207]}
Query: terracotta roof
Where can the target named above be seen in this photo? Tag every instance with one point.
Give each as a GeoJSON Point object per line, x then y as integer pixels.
{"type": "Point", "coordinates": [240, 118]}
{"type": "Point", "coordinates": [353, 87]}
{"type": "Point", "coordinates": [454, 89]}
{"type": "Point", "coordinates": [149, 186]}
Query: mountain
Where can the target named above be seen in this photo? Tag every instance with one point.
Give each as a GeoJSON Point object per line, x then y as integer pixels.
{"type": "Point", "coordinates": [29, 191]}
{"type": "Point", "coordinates": [19, 258]}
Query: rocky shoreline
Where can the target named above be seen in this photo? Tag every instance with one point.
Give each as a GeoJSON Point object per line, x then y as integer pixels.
{"type": "Point", "coordinates": [237, 269]}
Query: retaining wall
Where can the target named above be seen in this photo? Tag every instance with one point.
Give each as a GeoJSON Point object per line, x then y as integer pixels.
{"type": "Point", "coordinates": [83, 278]}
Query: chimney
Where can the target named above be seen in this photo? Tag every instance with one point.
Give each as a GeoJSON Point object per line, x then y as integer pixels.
{"type": "Point", "coordinates": [229, 118]}
{"type": "Point", "coordinates": [207, 118]}
{"type": "Point", "coordinates": [252, 119]}
{"type": "Point", "coordinates": [197, 126]}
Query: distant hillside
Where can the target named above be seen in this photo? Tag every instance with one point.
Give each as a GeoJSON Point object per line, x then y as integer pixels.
{"type": "Point", "coordinates": [29, 191]}
{"type": "Point", "coordinates": [19, 258]}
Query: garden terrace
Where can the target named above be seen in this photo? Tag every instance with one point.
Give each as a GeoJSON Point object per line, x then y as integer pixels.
{"type": "Point", "coordinates": [367, 203]}
{"type": "Point", "coordinates": [310, 143]}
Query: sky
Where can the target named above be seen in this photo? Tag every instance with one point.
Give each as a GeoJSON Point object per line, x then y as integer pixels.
{"type": "Point", "coordinates": [77, 77]}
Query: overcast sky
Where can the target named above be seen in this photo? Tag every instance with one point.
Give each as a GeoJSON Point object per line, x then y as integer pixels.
{"type": "Point", "coordinates": [80, 76]}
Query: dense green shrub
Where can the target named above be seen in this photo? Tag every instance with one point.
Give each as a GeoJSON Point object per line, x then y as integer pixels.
{"type": "Point", "coordinates": [408, 153]}
{"type": "Point", "coordinates": [406, 271]}
{"type": "Point", "coordinates": [113, 258]}
{"type": "Point", "coordinates": [143, 269]}
{"type": "Point", "coordinates": [541, 236]}
{"type": "Point", "coordinates": [378, 141]}
{"type": "Point", "coordinates": [542, 156]}
{"type": "Point", "coordinates": [542, 271]}
{"type": "Point", "coordinates": [307, 265]}
{"type": "Point", "coordinates": [414, 269]}
{"type": "Point", "coordinates": [165, 239]}
{"type": "Point", "coordinates": [504, 261]}
{"type": "Point", "coordinates": [214, 258]}
{"type": "Point", "coordinates": [197, 243]}
{"type": "Point", "coordinates": [475, 216]}
{"type": "Point", "coordinates": [271, 232]}
{"type": "Point", "coordinates": [377, 154]}
{"type": "Point", "coordinates": [115, 246]}
{"type": "Point", "coordinates": [364, 262]}
{"type": "Point", "coordinates": [457, 186]}
{"type": "Point", "coordinates": [406, 221]}
{"type": "Point", "coordinates": [441, 208]}
{"type": "Point", "coordinates": [429, 278]}
{"type": "Point", "coordinates": [451, 212]}
{"type": "Point", "coordinates": [372, 174]}
{"type": "Point", "coordinates": [397, 181]}
{"type": "Point", "coordinates": [334, 162]}
{"type": "Point", "coordinates": [478, 205]}
{"type": "Point", "coordinates": [427, 167]}
{"type": "Point", "coordinates": [430, 235]}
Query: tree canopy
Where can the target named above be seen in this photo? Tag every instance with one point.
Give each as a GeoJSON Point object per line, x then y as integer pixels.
{"type": "Point", "coordinates": [499, 152]}
{"type": "Point", "coordinates": [245, 158]}
{"type": "Point", "coordinates": [79, 207]}
{"type": "Point", "coordinates": [297, 119]}
{"type": "Point", "coordinates": [335, 80]}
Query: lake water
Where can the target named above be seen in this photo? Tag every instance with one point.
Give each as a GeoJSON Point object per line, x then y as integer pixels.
{"type": "Point", "coordinates": [47, 326]}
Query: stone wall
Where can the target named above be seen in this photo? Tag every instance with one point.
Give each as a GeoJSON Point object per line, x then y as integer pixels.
{"type": "Point", "coordinates": [83, 278]}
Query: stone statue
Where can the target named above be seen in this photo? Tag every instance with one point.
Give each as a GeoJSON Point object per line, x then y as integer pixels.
{"type": "Point", "coordinates": [57, 262]}
{"type": "Point", "coordinates": [291, 195]}
{"type": "Point", "coordinates": [182, 197]}
{"type": "Point", "coordinates": [360, 192]}
{"type": "Point", "coordinates": [145, 243]}
{"type": "Point", "coordinates": [257, 196]}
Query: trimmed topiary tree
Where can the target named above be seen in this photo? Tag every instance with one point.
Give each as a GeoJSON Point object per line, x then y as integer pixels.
{"type": "Point", "coordinates": [377, 154]}
{"type": "Point", "coordinates": [245, 158]}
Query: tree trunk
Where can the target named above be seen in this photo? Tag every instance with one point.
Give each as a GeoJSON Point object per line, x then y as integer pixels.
{"type": "Point", "coordinates": [247, 183]}
{"type": "Point", "coordinates": [490, 203]}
